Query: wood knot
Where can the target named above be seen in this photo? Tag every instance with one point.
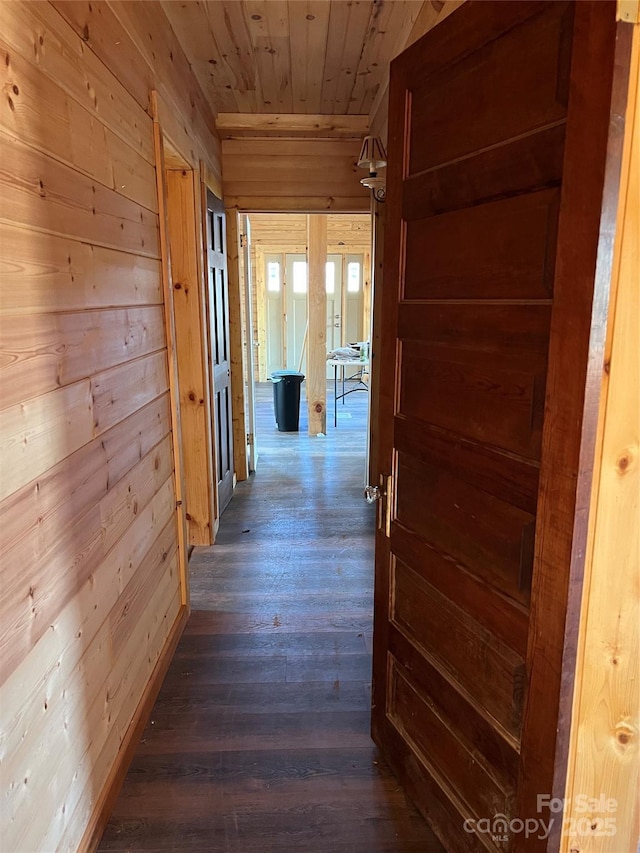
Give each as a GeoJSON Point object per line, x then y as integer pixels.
{"type": "Point", "coordinates": [624, 462]}
{"type": "Point", "coordinates": [624, 734]}
{"type": "Point", "coordinates": [318, 408]}
{"type": "Point", "coordinates": [192, 396]}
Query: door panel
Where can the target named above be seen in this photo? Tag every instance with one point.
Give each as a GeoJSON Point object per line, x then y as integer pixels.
{"type": "Point", "coordinates": [416, 715]}
{"type": "Point", "coordinates": [218, 321]}
{"type": "Point", "coordinates": [508, 86]}
{"type": "Point", "coordinates": [334, 306]}
{"type": "Point", "coordinates": [509, 248]}
{"type": "Point", "coordinates": [353, 299]}
{"type": "Point", "coordinates": [296, 289]}
{"type": "Point", "coordinates": [274, 283]}
{"type": "Point", "coordinates": [467, 523]}
{"type": "Point", "coordinates": [479, 117]}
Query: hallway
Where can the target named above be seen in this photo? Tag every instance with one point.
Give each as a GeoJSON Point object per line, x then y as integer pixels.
{"type": "Point", "coordinates": [259, 740]}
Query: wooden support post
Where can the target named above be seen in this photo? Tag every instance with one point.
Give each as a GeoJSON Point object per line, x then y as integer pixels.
{"type": "Point", "coordinates": [367, 305]}
{"type": "Point", "coordinates": [317, 320]}
{"type": "Point", "coordinates": [236, 348]}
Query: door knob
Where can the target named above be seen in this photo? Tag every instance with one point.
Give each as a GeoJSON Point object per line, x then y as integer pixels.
{"type": "Point", "coordinates": [372, 494]}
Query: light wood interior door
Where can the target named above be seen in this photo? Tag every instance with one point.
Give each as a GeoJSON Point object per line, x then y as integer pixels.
{"type": "Point", "coordinates": [333, 285]}
{"type": "Point", "coordinates": [353, 300]}
{"type": "Point", "coordinates": [492, 224]}
{"type": "Point", "coordinates": [296, 295]}
{"type": "Point", "coordinates": [218, 324]}
{"type": "Point", "coordinates": [273, 278]}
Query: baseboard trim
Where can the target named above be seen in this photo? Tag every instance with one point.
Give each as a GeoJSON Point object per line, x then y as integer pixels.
{"type": "Point", "coordinates": [109, 794]}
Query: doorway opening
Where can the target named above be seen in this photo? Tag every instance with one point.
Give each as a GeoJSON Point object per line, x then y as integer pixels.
{"type": "Point", "coordinates": [280, 299]}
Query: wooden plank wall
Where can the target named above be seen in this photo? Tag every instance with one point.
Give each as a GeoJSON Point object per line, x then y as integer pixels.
{"type": "Point", "coordinates": [90, 567]}
{"type": "Point", "coordinates": [279, 174]}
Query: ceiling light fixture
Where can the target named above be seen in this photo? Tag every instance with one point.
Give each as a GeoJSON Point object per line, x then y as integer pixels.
{"type": "Point", "coordinates": [373, 157]}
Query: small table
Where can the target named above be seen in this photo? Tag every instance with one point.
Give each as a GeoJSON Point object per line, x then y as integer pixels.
{"type": "Point", "coordinates": [361, 386]}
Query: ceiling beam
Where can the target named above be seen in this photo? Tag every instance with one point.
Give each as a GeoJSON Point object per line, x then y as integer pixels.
{"type": "Point", "coordinates": [232, 125]}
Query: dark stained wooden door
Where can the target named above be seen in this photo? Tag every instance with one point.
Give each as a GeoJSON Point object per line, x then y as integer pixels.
{"type": "Point", "coordinates": [218, 311]}
{"type": "Point", "coordinates": [497, 137]}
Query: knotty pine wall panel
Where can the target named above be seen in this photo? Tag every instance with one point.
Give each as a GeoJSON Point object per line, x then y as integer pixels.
{"type": "Point", "coordinates": [89, 560]}
{"type": "Point", "coordinates": [312, 175]}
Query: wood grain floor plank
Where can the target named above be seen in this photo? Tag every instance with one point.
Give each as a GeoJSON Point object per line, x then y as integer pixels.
{"type": "Point", "coordinates": [259, 740]}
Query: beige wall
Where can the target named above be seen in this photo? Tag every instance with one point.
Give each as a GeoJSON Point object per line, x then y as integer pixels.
{"type": "Point", "coordinates": [90, 564]}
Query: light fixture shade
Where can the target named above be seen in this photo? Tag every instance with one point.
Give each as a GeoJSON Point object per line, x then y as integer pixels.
{"type": "Point", "coordinates": [372, 154]}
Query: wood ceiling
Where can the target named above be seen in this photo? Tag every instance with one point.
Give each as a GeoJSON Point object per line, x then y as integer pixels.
{"type": "Point", "coordinates": [326, 57]}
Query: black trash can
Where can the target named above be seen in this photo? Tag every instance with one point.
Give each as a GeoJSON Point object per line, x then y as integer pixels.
{"type": "Point", "coordinates": [286, 399]}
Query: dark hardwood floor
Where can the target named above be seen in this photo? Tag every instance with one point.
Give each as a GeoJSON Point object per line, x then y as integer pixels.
{"type": "Point", "coordinates": [259, 739]}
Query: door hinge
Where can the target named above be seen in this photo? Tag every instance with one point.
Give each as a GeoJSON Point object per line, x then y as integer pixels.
{"type": "Point", "coordinates": [250, 439]}
{"type": "Point", "coordinates": [243, 241]}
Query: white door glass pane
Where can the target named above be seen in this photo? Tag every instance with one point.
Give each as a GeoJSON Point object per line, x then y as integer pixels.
{"type": "Point", "coordinates": [273, 277]}
{"type": "Point", "coordinates": [330, 277]}
{"type": "Point", "coordinates": [353, 277]}
{"type": "Point", "coordinates": [299, 276]}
